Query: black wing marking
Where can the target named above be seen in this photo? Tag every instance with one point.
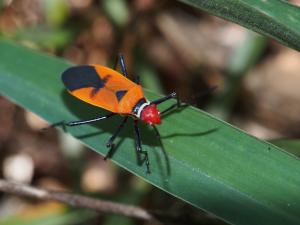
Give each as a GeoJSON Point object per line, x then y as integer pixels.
{"type": "Point", "coordinates": [120, 94]}
{"type": "Point", "coordinates": [82, 76]}
{"type": "Point", "coordinates": [101, 85]}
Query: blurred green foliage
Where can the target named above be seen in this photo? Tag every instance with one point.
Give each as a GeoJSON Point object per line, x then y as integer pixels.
{"type": "Point", "coordinates": [56, 12]}
{"type": "Point", "coordinates": [44, 37]}
{"type": "Point", "coordinates": [1, 4]}
{"type": "Point", "coordinates": [117, 11]}
{"type": "Point", "coordinates": [244, 57]}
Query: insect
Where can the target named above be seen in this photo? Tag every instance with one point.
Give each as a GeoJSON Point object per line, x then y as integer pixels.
{"type": "Point", "coordinates": [108, 89]}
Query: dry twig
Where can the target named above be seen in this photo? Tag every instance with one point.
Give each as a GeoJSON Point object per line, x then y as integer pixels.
{"type": "Point", "coordinates": [75, 200]}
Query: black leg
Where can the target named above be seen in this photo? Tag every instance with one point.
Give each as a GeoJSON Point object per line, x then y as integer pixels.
{"type": "Point", "coordinates": [80, 122]}
{"type": "Point", "coordinates": [138, 145]}
{"type": "Point", "coordinates": [123, 66]}
{"type": "Point", "coordinates": [178, 104]}
{"type": "Point", "coordinates": [116, 62]}
{"type": "Point", "coordinates": [163, 99]}
{"type": "Point", "coordinates": [157, 134]}
{"type": "Point", "coordinates": [137, 79]}
{"type": "Point", "coordinates": [120, 59]}
{"type": "Point", "coordinates": [110, 143]}
{"type": "Point", "coordinates": [175, 105]}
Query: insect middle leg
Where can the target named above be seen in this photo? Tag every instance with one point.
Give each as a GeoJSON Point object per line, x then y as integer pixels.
{"type": "Point", "coordinates": [120, 60]}
{"type": "Point", "coordinates": [138, 145]}
{"type": "Point", "coordinates": [110, 143]}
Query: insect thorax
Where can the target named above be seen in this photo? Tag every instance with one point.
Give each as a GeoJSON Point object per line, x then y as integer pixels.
{"type": "Point", "coordinates": [139, 106]}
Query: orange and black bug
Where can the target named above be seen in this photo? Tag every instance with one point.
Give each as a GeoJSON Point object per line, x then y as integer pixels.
{"type": "Point", "coordinates": [106, 88]}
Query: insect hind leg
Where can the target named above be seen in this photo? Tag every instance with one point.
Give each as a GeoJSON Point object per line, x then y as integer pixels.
{"type": "Point", "coordinates": [64, 124]}
{"type": "Point", "coordinates": [120, 60]}
{"type": "Point", "coordinates": [137, 79]}
{"type": "Point", "coordinates": [138, 146]}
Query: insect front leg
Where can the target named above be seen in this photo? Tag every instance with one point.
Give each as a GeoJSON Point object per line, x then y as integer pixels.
{"type": "Point", "coordinates": [110, 143]}
{"type": "Point", "coordinates": [178, 104]}
{"type": "Point", "coordinates": [166, 98]}
{"type": "Point", "coordinates": [138, 146]}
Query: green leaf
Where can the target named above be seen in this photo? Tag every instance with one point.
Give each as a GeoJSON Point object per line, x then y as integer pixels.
{"type": "Point", "coordinates": [212, 165]}
{"type": "Point", "coordinates": [276, 19]}
{"type": "Point", "coordinates": [290, 145]}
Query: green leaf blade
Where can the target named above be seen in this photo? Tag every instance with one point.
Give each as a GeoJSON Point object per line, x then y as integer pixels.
{"type": "Point", "coordinates": [276, 19]}
{"type": "Point", "coordinates": [213, 165]}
